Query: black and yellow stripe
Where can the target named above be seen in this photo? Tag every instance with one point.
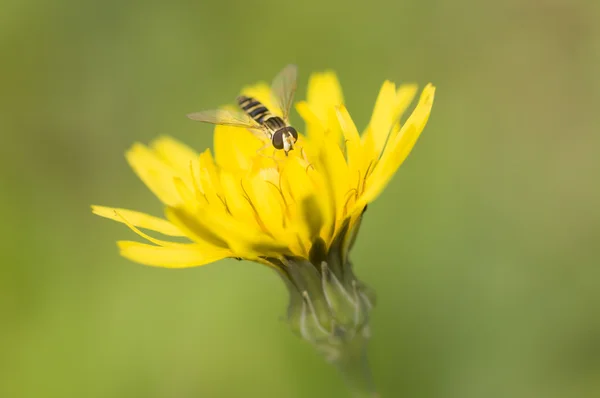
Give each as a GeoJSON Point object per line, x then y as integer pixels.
{"type": "Point", "coordinates": [257, 111]}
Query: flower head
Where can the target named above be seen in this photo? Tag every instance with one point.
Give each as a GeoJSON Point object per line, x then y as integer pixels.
{"type": "Point", "coordinates": [252, 204]}
{"type": "Point", "coordinates": [298, 213]}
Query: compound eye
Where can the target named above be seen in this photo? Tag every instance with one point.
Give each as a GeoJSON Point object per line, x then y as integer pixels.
{"type": "Point", "coordinates": [294, 133]}
{"type": "Point", "coordinates": [277, 139]}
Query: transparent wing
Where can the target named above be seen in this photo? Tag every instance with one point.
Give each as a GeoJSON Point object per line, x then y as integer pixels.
{"type": "Point", "coordinates": [284, 88]}
{"type": "Point", "coordinates": [229, 118]}
{"type": "Point", "coordinates": [225, 118]}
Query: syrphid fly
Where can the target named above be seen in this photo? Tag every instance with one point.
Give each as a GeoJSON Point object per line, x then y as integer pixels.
{"type": "Point", "coordinates": [257, 118]}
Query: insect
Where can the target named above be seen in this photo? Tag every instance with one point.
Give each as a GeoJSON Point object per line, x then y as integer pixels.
{"type": "Point", "coordinates": [257, 118]}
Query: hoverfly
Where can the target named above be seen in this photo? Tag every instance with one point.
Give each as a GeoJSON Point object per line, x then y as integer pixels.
{"type": "Point", "coordinates": [257, 118]}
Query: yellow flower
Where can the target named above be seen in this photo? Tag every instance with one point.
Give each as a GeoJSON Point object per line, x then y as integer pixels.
{"type": "Point", "coordinates": [257, 205]}
{"type": "Point", "coordinates": [298, 214]}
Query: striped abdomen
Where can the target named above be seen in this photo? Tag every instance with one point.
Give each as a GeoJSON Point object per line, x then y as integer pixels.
{"type": "Point", "coordinates": [257, 111]}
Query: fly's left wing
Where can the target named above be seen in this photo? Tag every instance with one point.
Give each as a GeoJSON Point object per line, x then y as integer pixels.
{"type": "Point", "coordinates": [223, 117]}
{"type": "Point", "coordinates": [228, 118]}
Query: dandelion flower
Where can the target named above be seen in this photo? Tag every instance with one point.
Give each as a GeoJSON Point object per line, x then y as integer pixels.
{"type": "Point", "coordinates": [298, 214]}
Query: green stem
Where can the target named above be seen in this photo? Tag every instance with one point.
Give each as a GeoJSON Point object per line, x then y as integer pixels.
{"type": "Point", "coordinates": [354, 366]}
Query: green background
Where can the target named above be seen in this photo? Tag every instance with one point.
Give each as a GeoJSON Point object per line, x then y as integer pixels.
{"type": "Point", "coordinates": [484, 249]}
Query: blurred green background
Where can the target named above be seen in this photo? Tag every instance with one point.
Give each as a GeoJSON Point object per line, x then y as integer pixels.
{"type": "Point", "coordinates": [484, 250]}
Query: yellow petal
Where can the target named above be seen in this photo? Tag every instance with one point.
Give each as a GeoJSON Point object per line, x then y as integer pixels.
{"type": "Point", "coordinates": [324, 94]}
{"type": "Point", "coordinates": [235, 147]}
{"type": "Point", "coordinates": [418, 119]}
{"type": "Point", "coordinates": [174, 153]}
{"type": "Point", "coordinates": [369, 154]}
{"type": "Point", "coordinates": [295, 180]}
{"type": "Point", "coordinates": [324, 191]}
{"type": "Point", "coordinates": [315, 127]}
{"type": "Point", "coordinates": [396, 151]}
{"type": "Point", "coordinates": [405, 94]}
{"type": "Point", "coordinates": [209, 186]}
{"type": "Point", "coordinates": [308, 207]}
{"type": "Point", "coordinates": [313, 216]}
{"type": "Point", "coordinates": [154, 172]}
{"type": "Point", "coordinates": [195, 227]}
{"type": "Point", "coordinates": [225, 231]}
{"type": "Point", "coordinates": [383, 116]}
{"type": "Point", "coordinates": [237, 199]}
{"type": "Point", "coordinates": [187, 196]}
{"type": "Point", "coordinates": [138, 219]}
{"type": "Point", "coordinates": [210, 176]}
{"type": "Point", "coordinates": [335, 170]}
{"type": "Point", "coordinates": [198, 190]}
{"type": "Point", "coordinates": [390, 105]}
{"type": "Point", "coordinates": [352, 141]}
{"type": "Point", "coordinates": [268, 203]}
{"type": "Point", "coordinates": [157, 242]}
{"type": "Point", "coordinates": [181, 256]}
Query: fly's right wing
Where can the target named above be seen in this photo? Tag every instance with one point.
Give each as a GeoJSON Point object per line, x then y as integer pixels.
{"type": "Point", "coordinates": [284, 88]}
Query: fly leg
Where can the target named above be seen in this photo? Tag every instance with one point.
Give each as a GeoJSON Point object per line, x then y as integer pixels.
{"type": "Point", "coordinates": [260, 151]}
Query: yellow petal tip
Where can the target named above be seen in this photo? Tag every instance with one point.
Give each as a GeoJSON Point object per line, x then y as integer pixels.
{"type": "Point", "coordinates": [102, 211]}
